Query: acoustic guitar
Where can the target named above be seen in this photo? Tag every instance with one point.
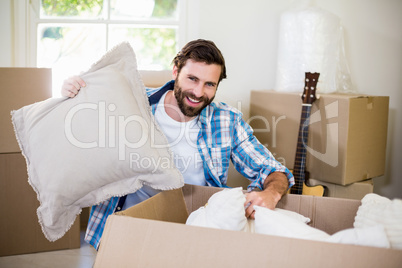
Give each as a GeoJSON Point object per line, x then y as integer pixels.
{"type": "Point", "coordinates": [299, 169]}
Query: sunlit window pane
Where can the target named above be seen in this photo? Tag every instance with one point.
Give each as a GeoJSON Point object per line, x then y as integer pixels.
{"type": "Point", "coordinates": [73, 34]}
{"type": "Point", "coordinates": [143, 9]}
{"type": "Point", "coordinates": [82, 9]}
{"type": "Point", "coordinates": [154, 47]}
{"type": "Point", "coordinates": [69, 49]}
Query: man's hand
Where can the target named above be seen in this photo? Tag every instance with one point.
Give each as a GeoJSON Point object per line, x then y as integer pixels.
{"type": "Point", "coordinates": [275, 186]}
{"type": "Point", "coordinates": [71, 86]}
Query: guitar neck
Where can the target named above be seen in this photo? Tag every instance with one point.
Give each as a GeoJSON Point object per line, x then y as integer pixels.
{"type": "Point", "coordinates": [300, 159]}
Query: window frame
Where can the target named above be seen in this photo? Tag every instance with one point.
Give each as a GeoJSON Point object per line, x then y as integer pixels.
{"type": "Point", "coordinates": [27, 18]}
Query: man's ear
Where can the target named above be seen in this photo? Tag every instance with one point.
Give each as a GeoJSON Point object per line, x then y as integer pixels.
{"type": "Point", "coordinates": [175, 72]}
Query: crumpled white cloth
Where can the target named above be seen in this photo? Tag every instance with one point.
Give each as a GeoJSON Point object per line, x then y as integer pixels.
{"type": "Point", "coordinates": [378, 222]}
{"type": "Point", "coordinates": [374, 236]}
{"type": "Point", "coordinates": [225, 210]}
{"type": "Point", "coordinates": [272, 222]}
{"type": "Point", "coordinates": [378, 210]}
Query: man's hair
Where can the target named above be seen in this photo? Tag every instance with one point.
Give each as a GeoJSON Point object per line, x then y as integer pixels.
{"type": "Point", "coordinates": [201, 51]}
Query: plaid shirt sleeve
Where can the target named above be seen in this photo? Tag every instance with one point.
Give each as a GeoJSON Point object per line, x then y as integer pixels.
{"type": "Point", "coordinates": [252, 159]}
{"type": "Point", "coordinates": [97, 221]}
{"type": "Point", "coordinates": [224, 128]}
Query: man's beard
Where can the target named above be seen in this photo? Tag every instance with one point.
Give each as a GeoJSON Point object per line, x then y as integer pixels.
{"type": "Point", "coordinates": [187, 110]}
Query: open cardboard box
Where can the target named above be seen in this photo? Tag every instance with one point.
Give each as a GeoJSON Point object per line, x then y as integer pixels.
{"type": "Point", "coordinates": [153, 234]}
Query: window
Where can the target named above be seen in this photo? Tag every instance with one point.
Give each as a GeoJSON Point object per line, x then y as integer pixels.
{"type": "Point", "coordinates": [72, 34]}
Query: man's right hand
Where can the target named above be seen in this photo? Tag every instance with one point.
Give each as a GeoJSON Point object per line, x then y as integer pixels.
{"type": "Point", "coordinates": [71, 86]}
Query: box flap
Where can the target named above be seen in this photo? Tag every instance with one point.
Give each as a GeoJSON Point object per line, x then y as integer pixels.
{"type": "Point", "coordinates": [324, 212]}
{"type": "Point", "coordinates": [165, 206]}
{"type": "Point", "coordinates": [197, 196]}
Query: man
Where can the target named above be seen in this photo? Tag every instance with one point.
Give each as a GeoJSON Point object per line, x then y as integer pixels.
{"type": "Point", "coordinates": [214, 133]}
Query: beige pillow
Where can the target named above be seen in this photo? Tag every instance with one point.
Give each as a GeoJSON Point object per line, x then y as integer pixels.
{"type": "Point", "coordinates": [102, 143]}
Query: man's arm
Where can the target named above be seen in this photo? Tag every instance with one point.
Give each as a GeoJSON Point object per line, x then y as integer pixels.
{"type": "Point", "coordinates": [275, 186]}
{"type": "Point", "coordinates": [256, 162]}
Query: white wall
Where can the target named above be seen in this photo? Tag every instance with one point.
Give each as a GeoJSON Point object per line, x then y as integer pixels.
{"type": "Point", "coordinates": [6, 57]}
{"type": "Point", "coordinates": [247, 34]}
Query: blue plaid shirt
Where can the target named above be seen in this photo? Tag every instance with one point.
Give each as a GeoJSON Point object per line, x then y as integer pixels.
{"type": "Point", "coordinates": [224, 136]}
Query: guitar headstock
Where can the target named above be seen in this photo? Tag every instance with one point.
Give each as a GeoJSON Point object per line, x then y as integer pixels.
{"type": "Point", "coordinates": [310, 86]}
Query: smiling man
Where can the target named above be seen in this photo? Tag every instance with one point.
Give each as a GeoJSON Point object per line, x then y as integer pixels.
{"type": "Point", "coordinates": [194, 91]}
{"type": "Point", "coordinates": [203, 136]}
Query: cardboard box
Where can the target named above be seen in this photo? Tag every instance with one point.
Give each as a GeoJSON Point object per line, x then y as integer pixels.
{"type": "Point", "coordinates": [152, 234]}
{"type": "Point", "coordinates": [355, 190]}
{"type": "Point", "coordinates": [347, 133]}
{"type": "Point", "coordinates": [20, 87]}
{"type": "Point", "coordinates": [155, 79]}
{"type": "Point", "coordinates": [20, 231]}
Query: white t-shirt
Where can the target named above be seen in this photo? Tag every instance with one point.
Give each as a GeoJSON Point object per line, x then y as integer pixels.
{"type": "Point", "coordinates": [182, 138]}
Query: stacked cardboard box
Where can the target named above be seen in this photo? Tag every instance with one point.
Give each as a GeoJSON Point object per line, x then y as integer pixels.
{"type": "Point", "coordinates": [347, 135]}
{"type": "Point", "coordinates": [152, 234]}
{"type": "Point", "coordinates": [20, 231]}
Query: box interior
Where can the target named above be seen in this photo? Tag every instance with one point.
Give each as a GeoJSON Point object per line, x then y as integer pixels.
{"type": "Point", "coordinates": [143, 242]}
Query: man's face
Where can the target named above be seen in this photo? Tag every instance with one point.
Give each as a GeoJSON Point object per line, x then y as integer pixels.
{"type": "Point", "coordinates": [195, 86]}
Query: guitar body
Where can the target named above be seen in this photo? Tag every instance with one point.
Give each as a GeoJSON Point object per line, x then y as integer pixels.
{"type": "Point", "coordinates": [299, 172]}
{"type": "Point", "coordinates": [317, 190]}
